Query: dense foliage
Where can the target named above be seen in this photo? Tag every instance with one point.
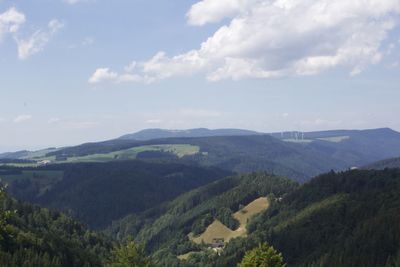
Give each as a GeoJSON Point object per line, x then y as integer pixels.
{"type": "Point", "coordinates": [344, 219]}
{"type": "Point", "coordinates": [32, 236]}
{"type": "Point", "coordinates": [98, 193]}
{"type": "Point", "coordinates": [164, 230]}
{"type": "Point", "coordinates": [129, 255]}
{"type": "Point", "coordinates": [262, 256]}
{"type": "Point", "coordinates": [338, 219]}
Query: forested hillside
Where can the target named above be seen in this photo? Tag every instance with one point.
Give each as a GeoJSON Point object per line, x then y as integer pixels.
{"type": "Point", "coordinates": [387, 163]}
{"type": "Point", "coordinates": [33, 236]}
{"type": "Point", "coordinates": [98, 193]}
{"type": "Point", "coordinates": [240, 154]}
{"type": "Point", "coordinates": [336, 219]}
{"type": "Point", "coordinates": [149, 134]}
{"type": "Point", "coordinates": [165, 229]}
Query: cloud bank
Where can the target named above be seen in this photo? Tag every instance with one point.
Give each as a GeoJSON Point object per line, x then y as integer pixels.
{"type": "Point", "coordinates": [274, 38]}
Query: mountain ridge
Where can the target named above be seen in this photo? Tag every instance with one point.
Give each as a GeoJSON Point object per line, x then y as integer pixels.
{"type": "Point", "coordinates": [158, 133]}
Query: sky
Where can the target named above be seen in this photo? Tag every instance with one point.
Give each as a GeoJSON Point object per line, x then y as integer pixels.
{"type": "Point", "coordinates": [74, 71]}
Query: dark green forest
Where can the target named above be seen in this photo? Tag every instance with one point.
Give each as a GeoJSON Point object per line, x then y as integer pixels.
{"type": "Point", "coordinates": [164, 230]}
{"type": "Point", "coordinates": [337, 219]}
{"type": "Point", "coordinates": [143, 211]}
{"type": "Point", "coordinates": [33, 236]}
{"type": "Point", "coordinates": [98, 193]}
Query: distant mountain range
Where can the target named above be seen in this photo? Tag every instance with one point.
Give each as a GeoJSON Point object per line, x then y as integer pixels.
{"type": "Point", "coordinates": [297, 155]}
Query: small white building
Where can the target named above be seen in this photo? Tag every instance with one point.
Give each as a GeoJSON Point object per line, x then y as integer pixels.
{"type": "Point", "coordinates": [44, 162]}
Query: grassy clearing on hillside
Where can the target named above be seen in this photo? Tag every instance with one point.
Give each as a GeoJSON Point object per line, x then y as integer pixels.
{"type": "Point", "coordinates": [251, 209]}
{"type": "Point", "coordinates": [179, 150]}
{"type": "Point", "coordinates": [335, 139]}
{"type": "Point", "coordinates": [219, 230]}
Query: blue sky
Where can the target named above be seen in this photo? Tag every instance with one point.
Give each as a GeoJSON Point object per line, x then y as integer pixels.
{"type": "Point", "coordinates": [78, 71]}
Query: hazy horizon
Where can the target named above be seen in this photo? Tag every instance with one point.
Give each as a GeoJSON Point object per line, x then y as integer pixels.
{"type": "Point", "coordinates": [6, 149]}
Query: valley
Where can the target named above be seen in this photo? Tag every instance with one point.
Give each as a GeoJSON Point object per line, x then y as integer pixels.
{"type": "Point", "coordinates": [205, 201]}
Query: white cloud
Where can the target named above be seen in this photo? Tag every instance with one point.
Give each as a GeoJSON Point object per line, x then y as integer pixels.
{"type": "Point", "coordinates": [131, 67]}
{"type": "Point", "coordinates": [38, 40]}
{"type": "Point", "coordinates": [209, 11]}
{"type": "Point", "coordinates": [103, 75]}
{"type": "Point", "coordinates": [72, 2]}
{"type": "Point", "coordinates": [22, 118]}
{"type": "Point", "coordinates": [10, 21]}
{"type": "Point", "coordinates": [275, 38]}
{"type": "Point", "coordinates": [106, 75]}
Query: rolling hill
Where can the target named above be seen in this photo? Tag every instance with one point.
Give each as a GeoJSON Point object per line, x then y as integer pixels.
{"type": "Point", "coordinates": [25, 154]}
{"type": "Point", "coordinates": [383, 164]}
{"type": "Point", "coordinates": [336, 219]}
{"type": "Point", "coordinates": [166, 229]}
{"type": "Point", "coordinates": [299, 156]}
{"type": "Point", "coordinates": [98, 193]}
{"type": "Point", "coordinates": [33, 236]}
{"type": "Point", "coordinates": [149, 134]}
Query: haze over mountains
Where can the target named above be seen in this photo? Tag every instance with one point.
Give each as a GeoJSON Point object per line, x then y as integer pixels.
{"type": "Point", "coordinates": [293, 154]}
